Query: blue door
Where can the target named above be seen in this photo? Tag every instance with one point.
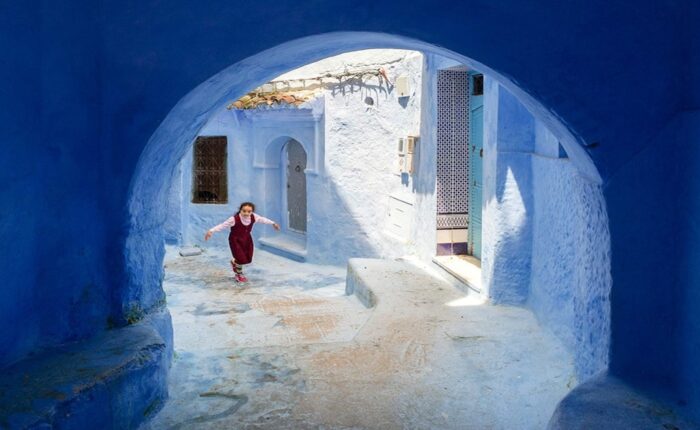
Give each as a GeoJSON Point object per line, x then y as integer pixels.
{"type": "Point", "coordinates": [476, 157]}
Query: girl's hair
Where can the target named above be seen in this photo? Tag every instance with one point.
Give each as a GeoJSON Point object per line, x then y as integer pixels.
{"type": "Point", "coordinates": [244, 204]}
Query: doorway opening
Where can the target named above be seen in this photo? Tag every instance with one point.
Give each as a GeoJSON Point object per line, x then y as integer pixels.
{"type": "Point", "coordinates": [459, 181]}
{"type": "Point", "coordinates": [291, 241]}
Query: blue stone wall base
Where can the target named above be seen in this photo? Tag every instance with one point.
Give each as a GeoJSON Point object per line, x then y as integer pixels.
{"type": "Point", "coordinates": [115, 380]}
{"type": "Point", "coordinates": [606, 402]}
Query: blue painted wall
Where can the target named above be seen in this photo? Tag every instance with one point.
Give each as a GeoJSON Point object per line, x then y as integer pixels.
{"type": "Point", "coordinates": [18, 176]}
{"type": "Point", "coordinates": [653, 208]}
{"type": "Point", "coordinates": [52, 224]}
{"type": "Point", "coordinates": [509, 140]}
{"type": "Point", "coordinates": [688, 337]}
{"type": "Point", "coordinates": [91, 81]}
{"type": "Point", "coordinates": [547, 244]}
{"type": "Point", "coordinates": [570, 279]}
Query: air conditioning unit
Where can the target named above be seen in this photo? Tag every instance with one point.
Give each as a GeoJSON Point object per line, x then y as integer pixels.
{"type": "Point", "coordinates": [410, 144]}
{"type": "Point", "coordinates": [402, 146]}
{"type": "Point", "coordinates": [407, 146]}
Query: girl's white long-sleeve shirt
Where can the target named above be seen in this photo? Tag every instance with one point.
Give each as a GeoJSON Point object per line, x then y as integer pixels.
{"type": "Point", "coordinates": [244, 220]}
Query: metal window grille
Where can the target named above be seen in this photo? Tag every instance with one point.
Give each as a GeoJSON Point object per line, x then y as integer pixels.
{"type": "Point", "coordinates": [209, 182]}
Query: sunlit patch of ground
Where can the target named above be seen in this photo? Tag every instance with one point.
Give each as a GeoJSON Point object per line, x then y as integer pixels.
{"type": "Point", "coordinates": [290, 351]}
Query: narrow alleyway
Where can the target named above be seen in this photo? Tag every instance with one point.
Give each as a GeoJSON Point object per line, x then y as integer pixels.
{"type": "Point", "coordinates": [291, 351]}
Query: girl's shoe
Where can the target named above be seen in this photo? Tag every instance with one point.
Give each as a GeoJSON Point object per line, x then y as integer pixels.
{"type": "Point", "coordinates": [241, 278]}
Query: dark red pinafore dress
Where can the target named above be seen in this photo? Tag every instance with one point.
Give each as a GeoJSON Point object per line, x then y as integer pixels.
{"type": "Point", "coordinates": [240, 241]}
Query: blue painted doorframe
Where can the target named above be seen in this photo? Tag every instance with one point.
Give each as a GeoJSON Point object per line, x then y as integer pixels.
{"type": "Point", "coordinates": [476, 142]}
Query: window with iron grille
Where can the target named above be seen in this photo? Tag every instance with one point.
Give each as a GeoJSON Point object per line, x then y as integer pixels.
{"type": "Point", "coordinates": [209, 182]}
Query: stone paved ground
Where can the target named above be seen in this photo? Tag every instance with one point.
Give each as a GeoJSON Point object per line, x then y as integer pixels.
{"type": "Point", "coordinates": [291, 351]}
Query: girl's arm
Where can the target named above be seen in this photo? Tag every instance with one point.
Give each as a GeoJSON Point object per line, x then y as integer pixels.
{"type": "Point", "coordinates": [226, 224]}
{"type": "Point", "coordinates": [262, 219]}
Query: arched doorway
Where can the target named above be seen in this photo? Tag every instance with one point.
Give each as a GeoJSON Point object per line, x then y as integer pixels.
{"type": "Point", "coordinates": [284, 167]}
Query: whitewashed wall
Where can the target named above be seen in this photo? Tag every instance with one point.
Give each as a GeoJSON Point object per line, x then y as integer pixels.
{"type": "Point", "coordinates": [361, 155]}
{"type": "Point", "coordinates": [348, 203]}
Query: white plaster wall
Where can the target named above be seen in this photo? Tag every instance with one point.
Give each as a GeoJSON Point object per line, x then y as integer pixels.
{"type": "Point", "coordinates": [348, 202]}
{"type": "Point", "coordinates": [361, 158]}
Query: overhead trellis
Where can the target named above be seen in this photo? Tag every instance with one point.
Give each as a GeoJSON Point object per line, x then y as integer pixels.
{"type": "Point", "coordinates": [294, 92]}
{"type": "Point", "coordinates": [254, 100]}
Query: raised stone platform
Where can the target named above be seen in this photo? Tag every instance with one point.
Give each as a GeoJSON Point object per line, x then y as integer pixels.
{"type": "Point", "coordinates": [358, 285]}
{"type": "Point", "coordinates": [115, 380]}
{"type": "Point", "coordinates": [470, 364]}
{"type": "Point", "coordinates": [502, 339]}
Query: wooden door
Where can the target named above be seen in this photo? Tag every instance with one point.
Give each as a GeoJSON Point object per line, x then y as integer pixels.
{"type": "Point", "coordinates": [296, 186]}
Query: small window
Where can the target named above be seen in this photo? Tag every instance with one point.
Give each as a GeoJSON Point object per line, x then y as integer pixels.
{"type": "Point", "coordinates": [209, 182]}
{"type": "Point", "coordinates": [478, 85]}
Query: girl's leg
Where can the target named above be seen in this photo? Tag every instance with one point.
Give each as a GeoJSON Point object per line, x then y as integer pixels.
{"type": "Point", "coordinates": [237, 268]}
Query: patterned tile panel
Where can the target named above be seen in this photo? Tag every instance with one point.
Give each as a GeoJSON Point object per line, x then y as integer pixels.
{"type": "Point", "coordinates": [452, 149]}
{"type": "Point", "coordinates": [452, 221]}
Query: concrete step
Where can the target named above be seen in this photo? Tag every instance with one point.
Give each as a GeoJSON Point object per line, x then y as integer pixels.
{"type": "Point", "coordinates": [114, 380]}
{"type": "Point", "coordinates": [464, 269]}
{"type": "Point", "coordinates": [357, 283]}
{"type": "Point", "coordinates": [392, 280]}
{"type": "Point", "coordinates": [287, 246]}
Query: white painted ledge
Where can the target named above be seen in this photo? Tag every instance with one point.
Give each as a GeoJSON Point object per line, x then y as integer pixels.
{"type": "Point", "coordinates": [465, 268]}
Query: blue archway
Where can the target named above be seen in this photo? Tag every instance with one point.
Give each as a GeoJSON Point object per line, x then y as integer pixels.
{"type": "Point", "coordinates": [171, 140]}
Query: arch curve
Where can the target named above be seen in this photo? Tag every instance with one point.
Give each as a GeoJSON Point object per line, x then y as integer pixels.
{"type": "Point", "coordinates": [169, 142]}
{"type": "Point", "coordinates": [157, 165]}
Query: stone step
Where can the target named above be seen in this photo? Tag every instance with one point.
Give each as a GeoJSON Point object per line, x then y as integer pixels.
{"type": "Point", "coordinates": [392, 280]}
{"type": "Point", "coordinates": [464, 269]}
{"type": "Point", "coordinates": [357, 283]}
{"type": "Point", "coordinates": [284, 246]}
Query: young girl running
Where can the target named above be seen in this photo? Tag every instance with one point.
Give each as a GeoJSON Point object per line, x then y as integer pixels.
{"type": "Point", "coordinates": [239, 240]}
